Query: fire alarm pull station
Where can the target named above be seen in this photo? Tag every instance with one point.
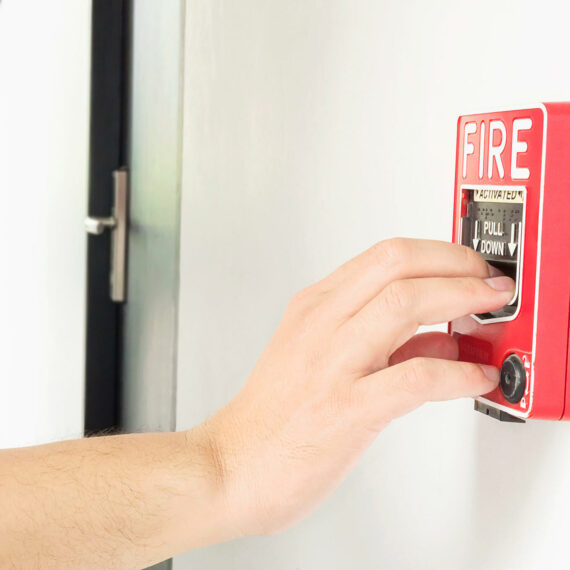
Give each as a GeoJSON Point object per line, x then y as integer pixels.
{"type": "Point", "coordinates": [512, 205]}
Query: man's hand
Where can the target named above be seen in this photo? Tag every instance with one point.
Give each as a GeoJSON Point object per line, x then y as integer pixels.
{"type": "Point", "coordinates": [344, 363]}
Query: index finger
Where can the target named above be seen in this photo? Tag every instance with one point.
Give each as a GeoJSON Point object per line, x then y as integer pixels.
{"type": "Point", "coordinates": [359, 280]}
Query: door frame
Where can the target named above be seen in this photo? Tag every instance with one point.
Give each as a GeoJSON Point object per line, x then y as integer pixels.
{"type": "Point", "coordinates": [110, 43]}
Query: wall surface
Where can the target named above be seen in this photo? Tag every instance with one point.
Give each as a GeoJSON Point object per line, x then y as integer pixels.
{"type": "Point", "coordinates": [44, 120]}
{"type": "Point", "coordinates": [312, 129]}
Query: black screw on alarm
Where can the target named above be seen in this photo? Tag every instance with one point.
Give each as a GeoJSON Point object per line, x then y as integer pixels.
{"type": "Point", "coordinates": [513, 379]}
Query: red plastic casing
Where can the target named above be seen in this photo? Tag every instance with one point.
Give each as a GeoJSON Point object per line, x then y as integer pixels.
{"type": "Point", "coordinates": [540, 332]}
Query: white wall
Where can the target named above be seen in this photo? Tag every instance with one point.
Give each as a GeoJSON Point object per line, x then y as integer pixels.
{"type": "Point", "coordinates": [313, 129]}
{"type": "Point", "coordinates": [44, 119]}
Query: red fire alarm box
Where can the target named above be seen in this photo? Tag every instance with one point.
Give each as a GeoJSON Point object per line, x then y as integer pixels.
{"type": "Point", "coordinates": [512, 205]}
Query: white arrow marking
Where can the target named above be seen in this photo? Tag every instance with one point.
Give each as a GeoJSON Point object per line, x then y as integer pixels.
{"type": "Point", "coordinates": [512, 244]}
{"type": "Point", "coordinates": [476, 239]}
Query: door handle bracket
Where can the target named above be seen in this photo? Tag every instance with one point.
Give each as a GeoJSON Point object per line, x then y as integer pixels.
{"type": "Point", "coordinates": [117, 223]}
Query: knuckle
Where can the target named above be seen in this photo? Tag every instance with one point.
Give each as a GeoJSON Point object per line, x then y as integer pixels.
{"type": "Point", "coordinates": [469, 371]}
{"type": "Point", "coordinates": [471, 287]}
{"type": "Point", "coordinates": [417, 376]}
{"type": "Point", "coordinates": [302, 300]}
{"type": "Point", "coordinates": [397, 296]}
{"type": "Point", "coordinates": [307, 312]}
{"type": "Point", "coordinates": [467, 256]}
{"type": "Point", "coordinates": [391, 251]}
{"type": "Point", "coordinates": [473, 260]}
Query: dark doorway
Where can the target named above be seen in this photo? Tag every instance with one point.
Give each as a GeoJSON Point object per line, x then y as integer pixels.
{"type": "Point", "coordinates": [108, 152]}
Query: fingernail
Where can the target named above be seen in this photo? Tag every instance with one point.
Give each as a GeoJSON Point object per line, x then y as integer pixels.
{"type": "Point", "coordinates": [491, 372]}
{"type": "Point", "coordinates": [502, 283]}
{"type": "Point", "coordinates": [494, 271]}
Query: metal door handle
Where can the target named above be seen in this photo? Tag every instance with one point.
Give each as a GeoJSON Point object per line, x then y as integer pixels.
{"type": "Point", "coordinates": [117, 223]}
{"type": "Point", "coordinates": [97, 226]}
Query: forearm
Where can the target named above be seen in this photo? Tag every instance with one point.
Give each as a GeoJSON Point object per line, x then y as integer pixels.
{"type": "Point", "coordinates": [110, 502]}
{"type": "Point", "coordinates": [341, 366]}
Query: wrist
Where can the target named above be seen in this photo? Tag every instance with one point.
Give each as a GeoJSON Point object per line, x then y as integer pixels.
{"type": "Point", "coordinates": [206, 485]}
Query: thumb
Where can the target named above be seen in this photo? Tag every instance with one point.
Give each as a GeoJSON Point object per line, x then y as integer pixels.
{"type": "Point", "coordinates": [399, 389]}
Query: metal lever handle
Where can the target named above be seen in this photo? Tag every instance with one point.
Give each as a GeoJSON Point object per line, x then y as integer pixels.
{"type": "Point", "coordinates": [97, 226]}
{"type": "Point", "coordinates": [117, 223]}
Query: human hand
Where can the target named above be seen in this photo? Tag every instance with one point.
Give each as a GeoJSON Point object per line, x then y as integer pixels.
{"type": "Point", "coordinates": [344, 362]}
